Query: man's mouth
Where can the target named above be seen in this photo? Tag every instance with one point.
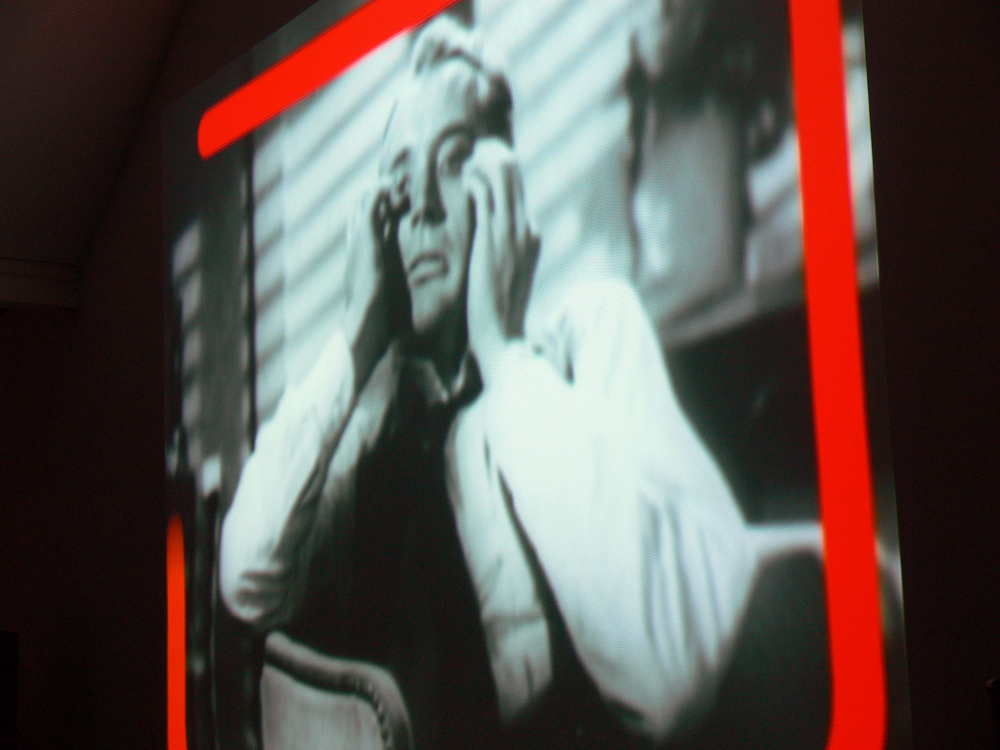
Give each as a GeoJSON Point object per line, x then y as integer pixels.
{"type": "Point", "coordinates": [427, 265]}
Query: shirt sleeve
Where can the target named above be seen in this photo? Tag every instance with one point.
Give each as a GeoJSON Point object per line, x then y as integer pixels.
{"type": "Point", "coordinates": [304, 457]}
{"type": "Point", "coordinates": [637, 533]}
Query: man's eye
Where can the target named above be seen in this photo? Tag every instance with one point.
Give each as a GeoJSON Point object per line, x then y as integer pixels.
{"type": "Point", "coordinates": [401, 191]}
{"type": "Point", "coordinates": [454, 158]}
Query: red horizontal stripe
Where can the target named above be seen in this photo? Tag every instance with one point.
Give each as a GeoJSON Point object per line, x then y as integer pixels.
{"type": "Point", "coordinates": [310, 67]}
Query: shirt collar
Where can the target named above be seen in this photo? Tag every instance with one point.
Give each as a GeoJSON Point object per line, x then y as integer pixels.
{"type": "Point", "coordinates": [438, 393]}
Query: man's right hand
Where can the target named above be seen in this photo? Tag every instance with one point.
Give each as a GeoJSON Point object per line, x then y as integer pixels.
{"type": "Point", "coordinates": [377, 309]}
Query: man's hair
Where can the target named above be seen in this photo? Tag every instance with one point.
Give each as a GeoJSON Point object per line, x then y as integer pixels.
{"type": "Point", "coordinates": [445, 39]}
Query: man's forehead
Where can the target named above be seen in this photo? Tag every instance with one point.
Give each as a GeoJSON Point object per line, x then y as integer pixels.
{"type": "Point", "coordinates": [439, 98]}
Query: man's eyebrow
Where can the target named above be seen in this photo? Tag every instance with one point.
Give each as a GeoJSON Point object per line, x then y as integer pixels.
{"type": "Point", "coordinates": [457, 128]}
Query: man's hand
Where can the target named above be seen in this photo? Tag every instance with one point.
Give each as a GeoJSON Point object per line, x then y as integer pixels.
{"type": "Point", "coordinates": [377, 298]}
{"type": "Point", "coordinates": [503, 256]}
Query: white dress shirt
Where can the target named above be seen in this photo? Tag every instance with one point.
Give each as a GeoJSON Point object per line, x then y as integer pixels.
{"type": "Point", "coordinates": [575, 470]}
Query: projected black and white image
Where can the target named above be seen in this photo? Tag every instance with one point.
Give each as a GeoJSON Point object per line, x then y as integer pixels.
{"type": "Point", "coordinates": [489, 414]}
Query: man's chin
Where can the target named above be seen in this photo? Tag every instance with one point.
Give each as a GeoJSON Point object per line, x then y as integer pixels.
{"type": "Point", "coordinates": [425, 325]}
{"type": "Point", "coordinates": [432, 318]}
{"type": "Point", "coordinates": [435, 329]}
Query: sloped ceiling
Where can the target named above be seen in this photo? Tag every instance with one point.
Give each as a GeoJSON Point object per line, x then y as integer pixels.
{"type": "Point", "coordinates": [74, 78]}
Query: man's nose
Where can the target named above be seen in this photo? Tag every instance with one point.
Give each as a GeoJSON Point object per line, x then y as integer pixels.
{"type": "Point", "coordinates": [427, 205]}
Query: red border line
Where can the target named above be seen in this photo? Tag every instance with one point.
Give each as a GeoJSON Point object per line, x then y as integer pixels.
{"type": "Point", "coordinates": [310, 67]}
{"type": "Point", "coordinates": [846, 498]}
{"type": "Point", "coordinates": [845, 483]}
{"type": "Point", "coordinates": [176, 640]}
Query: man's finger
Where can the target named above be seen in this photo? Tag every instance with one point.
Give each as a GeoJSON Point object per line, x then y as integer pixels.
{"type": "Point", "coordinates": [482, 252]}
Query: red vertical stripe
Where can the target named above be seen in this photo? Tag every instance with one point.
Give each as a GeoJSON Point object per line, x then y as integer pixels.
{"type": "Point", "coordinates": [845, 483]}
{"type": "Point", "coordinates": [176, 641]}
{"type": "Point", "coordinates": [304, 71]}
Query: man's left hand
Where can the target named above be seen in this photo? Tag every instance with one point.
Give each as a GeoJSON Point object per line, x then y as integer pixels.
{"type": "Point", "coordinates": [503, 255]}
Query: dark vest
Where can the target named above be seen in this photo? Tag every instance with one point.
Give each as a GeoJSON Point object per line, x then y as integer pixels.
{"type": "Point", "coordinates": [400, 596]}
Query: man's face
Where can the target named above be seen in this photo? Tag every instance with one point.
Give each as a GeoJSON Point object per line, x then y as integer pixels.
{"type": "Point", "coordinates": [430, 137]}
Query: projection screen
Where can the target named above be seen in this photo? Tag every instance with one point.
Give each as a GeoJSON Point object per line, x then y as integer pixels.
{"type": "Point", "coordinates": [524, 383]}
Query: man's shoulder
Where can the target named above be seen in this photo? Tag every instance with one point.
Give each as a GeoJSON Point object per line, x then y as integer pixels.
{"type": "Point", "coordinates": [588, 300]}
{"type": "Point", "coordinates": [587, 312]}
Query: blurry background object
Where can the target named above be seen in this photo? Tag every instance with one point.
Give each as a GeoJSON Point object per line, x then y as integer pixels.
{"type": "Point", "coordinates": [310, 701]}
{"type": "Point", "coordinates": [708, 88]}
{"type": "Point", "coordinates": [715, 202]}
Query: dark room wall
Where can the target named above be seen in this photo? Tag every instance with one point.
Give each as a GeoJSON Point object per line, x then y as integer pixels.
{"type": "Point", "coordinates": [934, 86]}
{"type": "Point", "coordinates": [81, 454]}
